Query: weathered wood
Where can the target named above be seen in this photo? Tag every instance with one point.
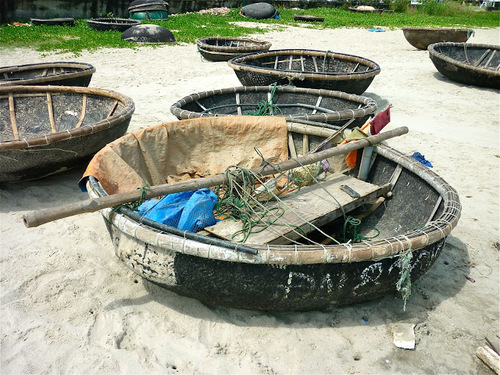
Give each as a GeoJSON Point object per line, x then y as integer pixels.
{"type": "Point", "coordinates": [37, 218]}
{"type": "Point", "coordinates": [12, 112]}
{"type": "Point", "coordinates": [311, 207]}
{"type": "Point", "coordinates": [489, 357]}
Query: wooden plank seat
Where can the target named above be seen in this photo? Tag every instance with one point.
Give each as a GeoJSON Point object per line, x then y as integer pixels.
{"type": "Point", "coordinates": [311, 203]}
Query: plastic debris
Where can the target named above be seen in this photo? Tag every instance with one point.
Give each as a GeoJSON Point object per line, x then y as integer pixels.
{"type": "Point", "coordinates": [421, 158]}
{"type": "Point", "coordinates": [404, 336]}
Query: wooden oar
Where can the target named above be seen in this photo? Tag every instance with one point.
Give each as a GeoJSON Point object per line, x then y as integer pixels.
{"type": "Point", "coordinates": [40, 217]}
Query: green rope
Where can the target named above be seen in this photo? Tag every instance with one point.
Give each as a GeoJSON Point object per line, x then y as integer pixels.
{"type": "Point", "coordinates": [266, 107]}
{"type": "Point", "coordinates": [404, 283]}
{"type": "Point", "coordinates": [351, 232]}
{"type": "Point", "coordinates": [237, 201]}
{"type": "Point", "coordinates": [134, 205]}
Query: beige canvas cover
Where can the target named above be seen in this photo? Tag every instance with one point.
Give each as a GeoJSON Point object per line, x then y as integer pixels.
{"type": "Point", "coordinates": [181, 150]}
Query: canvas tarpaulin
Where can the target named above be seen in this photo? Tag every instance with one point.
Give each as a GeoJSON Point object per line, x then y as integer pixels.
{"type": "Point", "coordinates": [186, 149]}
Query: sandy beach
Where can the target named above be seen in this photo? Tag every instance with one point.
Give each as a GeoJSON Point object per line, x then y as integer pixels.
{"type": "Point", "coordinates": [69, 305]}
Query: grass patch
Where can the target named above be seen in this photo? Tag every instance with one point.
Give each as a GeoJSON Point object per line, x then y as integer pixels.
{"type": "Point", "coordinates": [188, 27]}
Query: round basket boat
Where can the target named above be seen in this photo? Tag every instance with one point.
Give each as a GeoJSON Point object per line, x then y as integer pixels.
{"type": "Point", "coordinates": [422, 37]}
{"type": "Point", "coordinates": [53, 73]}
{"type": "Point", "coordinates": [418, 212]}
{"type": "Point", "coordinates": [225, 48]}
{"type": "Point", "coordinates": [472, 64]}
{"type": "Point", "coordinates": [306, 68]}
{"type": "Point", "coordinates": [325, 106]}
{"type": "Point", "coordinates": [53, 21]}
{"type": "Point", "coordinates": [115, 24]}
{"type": "Point", "coordinates": [49, 129]}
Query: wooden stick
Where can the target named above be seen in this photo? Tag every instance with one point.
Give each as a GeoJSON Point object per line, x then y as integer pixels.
{"type": "Point", "coordinates": [51, 113]}
{"type": "Point", "coordinates": [13, 122]}
{"type": "Point", "coordinates": [84, 110]}
{"type": "Point", "coordinates": [113, 109]}
{"type": "Point", "coordinates": [37, 218]}
{"type": "Point", "coordinates": [482, 57]}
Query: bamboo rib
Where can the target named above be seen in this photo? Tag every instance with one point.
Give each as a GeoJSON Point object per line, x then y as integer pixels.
{"type": "Point", "coordinates": [51, 113]}
{"type": "Point", "coordinates": [12, 112]}
{"type": "Point", "coordinates": [115, 104]}
{"type": "Point", "coordinates": [491, 58]}
{"type": "Point", "coordinates": [315, 64]}
{"type": "Point", "coordinates": [482, 57]}
{"type": "Point", "coordinates": [305, 144]}
{"type": "Point", "coordinates": [238, 102]}
{"type": "Point", "coordinates": [83, 112]}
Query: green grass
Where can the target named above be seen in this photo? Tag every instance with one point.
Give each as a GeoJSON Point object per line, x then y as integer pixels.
{"type": "Point", "coordinates": [188, 27]}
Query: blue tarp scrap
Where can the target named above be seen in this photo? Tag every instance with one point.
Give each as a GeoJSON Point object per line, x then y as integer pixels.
{"type": "Point", "coordinates": [188, 210]}
{"type": "Point", "coordinates": [421, 158]}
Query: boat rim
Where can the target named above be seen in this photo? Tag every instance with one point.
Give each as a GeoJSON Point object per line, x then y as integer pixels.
{"type": "Point", "coordinates": [256, 45]}
{"type": "Point", "coordinates": [87, 69]}
{"type": "Point", "coordinates": [238, 63]}
{"type": "Point", "coordinates": [369, 103]}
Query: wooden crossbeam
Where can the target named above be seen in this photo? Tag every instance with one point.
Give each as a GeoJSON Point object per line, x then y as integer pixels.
{"type": "Point", "coordinates": [313, 204]}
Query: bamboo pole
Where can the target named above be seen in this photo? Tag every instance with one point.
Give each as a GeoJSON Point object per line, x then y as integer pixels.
{"type": "Point", "coordinates": [40, 217]}
{"type": "Point", "coordinates": [83, 112]}
{"type": "Point", "coordinates": [51, 113]}
{"type": "Point", "coordinates": [12, 112]}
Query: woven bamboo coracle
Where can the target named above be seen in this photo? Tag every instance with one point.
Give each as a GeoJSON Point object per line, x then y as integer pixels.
{"type": "Point", "coordinates": [225, 48]}
{"type": "Point", "coordinates": [325, 106]}
{"type": "Point", "coordinates": [422, 37]}
{"type": "Point", "coordinates": [52, 128]}
{"type": "Point", "coordinates": [52, 73]}
{"type": "Point", "coordinates": [472, 64]}
{"type": "Point", "coordinates": [306, 68]}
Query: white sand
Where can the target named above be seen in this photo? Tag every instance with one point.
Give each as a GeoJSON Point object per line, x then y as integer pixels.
{"type": "Point", "coordinates": [68, 305]}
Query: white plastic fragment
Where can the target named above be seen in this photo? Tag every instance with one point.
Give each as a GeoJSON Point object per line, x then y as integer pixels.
{"type": "Point", "coordinates": [404, 336]}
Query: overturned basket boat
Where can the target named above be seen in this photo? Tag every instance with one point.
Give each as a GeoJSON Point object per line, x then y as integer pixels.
{"type": "Point", "coordinates": [472, 64]}
{"type": "Point", "coordinates": [422, 37]}
{"type": "Point", "coordinates": [306, 68]}
{"type": "Point", "coordinates": [225, 48]}
{"type": "Point", "coordinates": [48, 129]}
{"type": "Point", "coordinates": [296, 264]}
{"type": "Point", "coordinates": [325, 106]}
{"type": "Point", "coordinates": [53, 73]}
{"type": "Point", "coordinates": [114, 24]}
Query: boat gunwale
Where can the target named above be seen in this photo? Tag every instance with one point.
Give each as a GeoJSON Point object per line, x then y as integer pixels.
{"type": "Point", "coordinates": [370, 104]}
{"type": "Point", "coordinates": [112, 22]}
{"type": "Point", "coordinates": [433, 53]}
{"type": "Point", "coordinates": [258, 45]}
{"type": "Point", "coordinates": [238, 63]}
{"type": "Point", "coordinates": [115, 119]}
{"type": "Point", "coordinates": [434, 231]}
{"type": "Point", "coordinates": [87, 69]}
{"type": "Point", "coordinates": [416, 28]}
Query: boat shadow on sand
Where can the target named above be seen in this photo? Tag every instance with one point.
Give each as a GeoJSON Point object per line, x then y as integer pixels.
{"type": "Point", "coordinates": [51, 191]}
{"type": "Point", "coordinates": [442, 281]}
{"type": "Point", "coordinates": [442, 78]}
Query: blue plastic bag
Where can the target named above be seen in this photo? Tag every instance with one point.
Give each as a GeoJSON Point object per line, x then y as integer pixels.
{"type": "Point", "coordinates": [188, 210]}
{"type": "Point", "coordinates": [421, 158]}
